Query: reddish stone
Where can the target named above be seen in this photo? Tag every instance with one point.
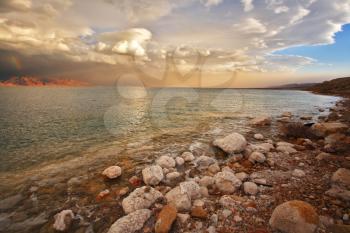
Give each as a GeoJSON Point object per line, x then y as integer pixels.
{"type": "Point", "coordinates": [135, 181]}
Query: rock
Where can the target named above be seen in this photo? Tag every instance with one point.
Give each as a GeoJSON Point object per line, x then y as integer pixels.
{"type": "Point", "coordinates": [226, 213]}
{"type": "Point", "coordinates": [338, 192]}
{"type": "Point", "coordinates": [341, 178]}
{"type": "Point", "coordinates": [287, 144]}
{"type": "Point", "coordinates": [286, 149]}
{"type": "Point", "coordinates": [63, 220]}
{"type": "Point", "coordinates": [232, 143]}
{"type": "Point", "coordinates": [173, 175]}
{"type": "Point", "coordinates": [338, 228]}
{"type": "Point", "coordinates": [191, 188]}
{"type": "Point", "coordinates": [112, 172]}
{"type": "Point", "coordinates": [135, 181]}
{"type": "Point", "coordinates": [237, 218]}
{"type": "Point", "coordinates": [187, 156]}
{"type": "Point", "coordinates": [214, 219]}
{"type": "Point", "coordinates": [258, 136]}
{"type": "Point", "coordinates": [323, 156]}
{"type": "Point", "coordinates": [10, 202]}
{"type": "Point", "coordinates": [250, 188]}
{"type": "Point", "coordinates": [214, 168]}
{"type": "Point", "coordinates": [261, 121]}
{"type": "Point", "coordinates": [204, 191]}
{"type": "Point", "coordinates": [263, 147]}
{"type": "Point", "coordinates": [306, 117]}
{"type": "Point", "coordinates": [140, 198]}
{"type": "Point", "coordinates": [203, 162]}
{"type": "Point", "coordinates": [211, 229]}
{"type": "Point", "coordinates": [165, 219]}
{"type": "Point", "coordinates": [257, 157]}
{"type": "Point", "coordinates": [182, 201]}
{"type": "Point", "coordinates": [179, 161]}
{"type": "Point", "coordinates": [294, 217]}
{"type": "Point", "coordinates": [227, 182]}
{"type": "Point", "coordinates": [103, 194]}
{"type": "Point", "coordinates": [198, 202]}
{"type": "Point", "coordinates": [206, 181]}
{"type": "Point", "coordinates": [199, 212]}
{"type": "Point", "coordinates": [286, 114]}
{"type": "Point", "coordinates": [166, 162]}
{"type": "Point", "coordinates": [123, 191]}
{"type": "Point", "coordinates": [323, 129]}
{"type": "Point", "coordinates": [183, 218]}
{"type": "Point", "coordinates": [260, 181]}
{"type": "Point", "coordinates": [298, 173]}
{"type": "Point", "coordinates": [131, 222]}
{"type": "Point", "coordinates": [242, 176]}
{"type": "Point", "coordinates": [152, 175]}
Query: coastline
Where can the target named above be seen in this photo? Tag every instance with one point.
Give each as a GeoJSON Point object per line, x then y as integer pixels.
{"type": "Point", "coordinates": [279, 186]}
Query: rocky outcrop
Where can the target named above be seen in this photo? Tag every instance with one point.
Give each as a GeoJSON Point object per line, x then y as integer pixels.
{"type": "Point", "coordinates": [294, 217]}
{"type": "Point", "coordinates": [131, 222]}
{"type": "Point", "coordinates": [152, 175]}
{"type": "Point", "coordinates": [140, 198]}
{"type": "Point", "coordinates": [233, 143]}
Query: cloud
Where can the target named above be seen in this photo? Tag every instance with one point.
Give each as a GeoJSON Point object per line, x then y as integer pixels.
{"type": "Point", "coordinates": [247, 5]}
{"type": "Point", "coordinates": [18, 5]}
{"type": "Point", "coordinates": [250, 26]}
{"type": "Point", "coordinates": [209, 3]}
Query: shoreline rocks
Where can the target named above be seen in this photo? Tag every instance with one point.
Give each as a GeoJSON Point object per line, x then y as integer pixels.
{"type": "Point", "coordinates": [112, 172]}
{"type": "Point", "coordinates": [131, 222]}
{"type": "Point", "coordinates": [232, 143]}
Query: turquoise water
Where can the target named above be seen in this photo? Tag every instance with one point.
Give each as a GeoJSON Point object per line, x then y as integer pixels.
{"type": "Point", "coordinates": [41, 125]}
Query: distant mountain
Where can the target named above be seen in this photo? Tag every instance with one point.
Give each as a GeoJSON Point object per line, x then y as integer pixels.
{"type": "Point", "coordinates": [37, 82]}
{"type": "Point", "coordinates": [335, 86]}
{"type": "Point", "coordinates": [295, 86]}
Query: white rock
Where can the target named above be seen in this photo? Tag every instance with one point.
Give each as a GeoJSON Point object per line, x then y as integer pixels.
{"type": "Point", "coordinates": [183, 218]}
{"type": "Point", "coordinates": [237, 218]}
{"type": "Point", "coordinates": [166, 162]}
{"type": "Point", "coordinates": [258, 136]}
{"type": "Point", "coordinates": [182, 201]}
{"type": "Point", "coordinates": [63, 220]}
{"type": "Point", "coordinates": [179, 161]}
{"type": "Point", "coordinates": [232, 143]}
{"type": "Point", "coordinates": [263, 147]}
{"type": "Point", "coordinates": [131, 222]}
{"type": "Point", "coordinates": [294, 217]}
{"type": "Point", "coordinates": [152, 175]}
{"type": "Point", "coordinates": [206, 181]}
{"type": "Point", "coordinates": [187, 156]}
{"type": "Point", "coordinates": [298, 173]}
{"type": "Point", "coordinates": [242, 176]}
{"type": "Point", "coordinates": [203, 162]}
{"type": "Point", "coordinates": [140, 198]}
{"type": "Point", "coordinates": [285, 144]}
{"type": "Point", "coordinates": [214, 168]}
{"type": "Point", "coordinates": [211, 229]}
{"type": "Point", "coordinates": [191, 188]}
{"type": "Point", "coordinates": [261, 121]}
{"type": "Point", "coordinates": [226, 213]}
{"type": "Point", "coordinates": [286, 149]}
{"type": "Point", "coordinates": [199, 203]}
{"type": "Point", "coordinates": [112, 172]}
{"type": "Point", "coordinates": [341, 178]}
{"type": "Point", "coordinates": [173, 175]}
{"type": "Point", "coordinates": [250, 188]}
{"type": "Point", "coordinates": [227, 182]}
{"type": "Point", "coordinates": [257, 157]}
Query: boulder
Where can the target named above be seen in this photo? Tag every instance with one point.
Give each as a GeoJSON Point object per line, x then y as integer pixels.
{"type": "Point", "coordinates": [227, 182]}
{"type": "Point", "coordinates": [165, 219]}
{"type": "Point", "coordinates": [188, 156]}
{"type": "Point", "coordinates": [152, 175]}
{"type": "Point", "coordinates": [182, 201]}
{"type": "Point", "coordinates": [206, 181]}
{"type": "Point", "coordinates": [257, 157]}
{"type": "Point", "coordinates": [166, 162]}
{"type": "Point", "coordinates": [63, 220]}
{"type": "Point", "coordinates": [250, 188]}
{"type": "Point", "coordinates": [112, 172]}
{"type": "Point", "coordinates": [203, 162]}
{"type": "Point", "coordinates": [131, 222]}
{"type": "Point", "coordinates": [294, 217]}
{"type": "Point", "coordinates": [233, 143]}
{"type": "Point", "coordinates": [323, 129]}
{"type": "Point", "coordinates": [140, 198]}
{"type": "Point", "coordinates": [261, 121]}
{"type": "Point", "coordinates": [341, 178]}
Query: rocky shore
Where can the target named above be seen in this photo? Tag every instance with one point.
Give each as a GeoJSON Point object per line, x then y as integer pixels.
{"type": "Point", "coordinates": [295, 182]}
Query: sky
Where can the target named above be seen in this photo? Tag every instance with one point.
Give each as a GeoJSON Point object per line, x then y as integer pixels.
{"type": "Point", "coordinates": [200, 43]}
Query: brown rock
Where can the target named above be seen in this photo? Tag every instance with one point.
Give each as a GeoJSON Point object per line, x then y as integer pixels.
{"type": "Point", "coordinates": [199, 212]}
{"type": "Point", "coordinates": [135, 181]}
{"type": "Point", "coordinates": [166, 218]}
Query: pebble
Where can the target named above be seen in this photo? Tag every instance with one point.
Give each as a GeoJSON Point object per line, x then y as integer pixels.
{"type": "Point", "coordinates": [237, 218]}
{"type": "Point", "coordinates": [258, 136]}
{"type": "Point", "coordinates": [226, 213]}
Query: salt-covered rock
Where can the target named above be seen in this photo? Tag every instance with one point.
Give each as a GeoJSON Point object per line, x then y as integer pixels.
{"type": "Point", "coordinates": [203, 162]}
{"type": "Point", "coordinates": [242, 176]}
{"type": "Point", "coordinates": [227, 182]}
{"type": "Point", "coordinates": [173, 175]}
{"type": "Point", "coordinates": [183, 218]}
{"type": "Point", "coordinates": [181, 200]}
{"type": "Point", "coordinates": [294, 217]}
{"type": "Point", "coordinates": [191, 188]}
{"type": "Point", "coordinates": [131, 222]}
{"type": "Point", "coordinates": [140, 198]}
{"type": "Point", "coordinates": [152, 175]}
{"type": "Point", "coordinates": [112, 172]}
{"type": "Point", "coordinates": [206, 181]}
{"type": "Point", "coordinates": [232, 143]}
{"type": "Point", "coordinates": [179, 161]}
{"type": "Point", "coordinates": [262, 147]}
{"type": "Point", "coordinates": [341, 178]}
{"type": "Point", "coordinates": [286, 149]}
{"type": "Point", "coordinates": [166, 161]}
{"type": "Point", "coordinates": [298, 173]}
{"type": "Point", "coordinates": [250, 188]}
{"type": "Point", "coordinates": [261, 121]}
{"type": "Point", "coordinates": [63, 220]}
{"type": "Point", "coordinates": [165, 219]}
{"type": "Point", "coordinates": [285, 144]}
{"type": "Point", "coordinates": [187, 156]}
{"type": "Point", "coordinates": [258, 136]}
{"type": "Point", "coordinates": [257, 157]}
{"type": "Point", "coordinates": [214, 168]}
{"type": "Point", "coordinates": [323, 129]}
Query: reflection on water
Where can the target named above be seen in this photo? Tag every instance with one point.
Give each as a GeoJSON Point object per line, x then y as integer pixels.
{"type": "Point", "coordinates": [42, 125]}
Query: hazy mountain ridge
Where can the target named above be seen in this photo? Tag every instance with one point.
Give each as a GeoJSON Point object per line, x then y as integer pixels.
{"type": "Point", "coordinates": [335, 86]}
{"type": "Point", "coordinates": [34, 81]}
{"type": "Point", "coordinates": [295, 86]}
